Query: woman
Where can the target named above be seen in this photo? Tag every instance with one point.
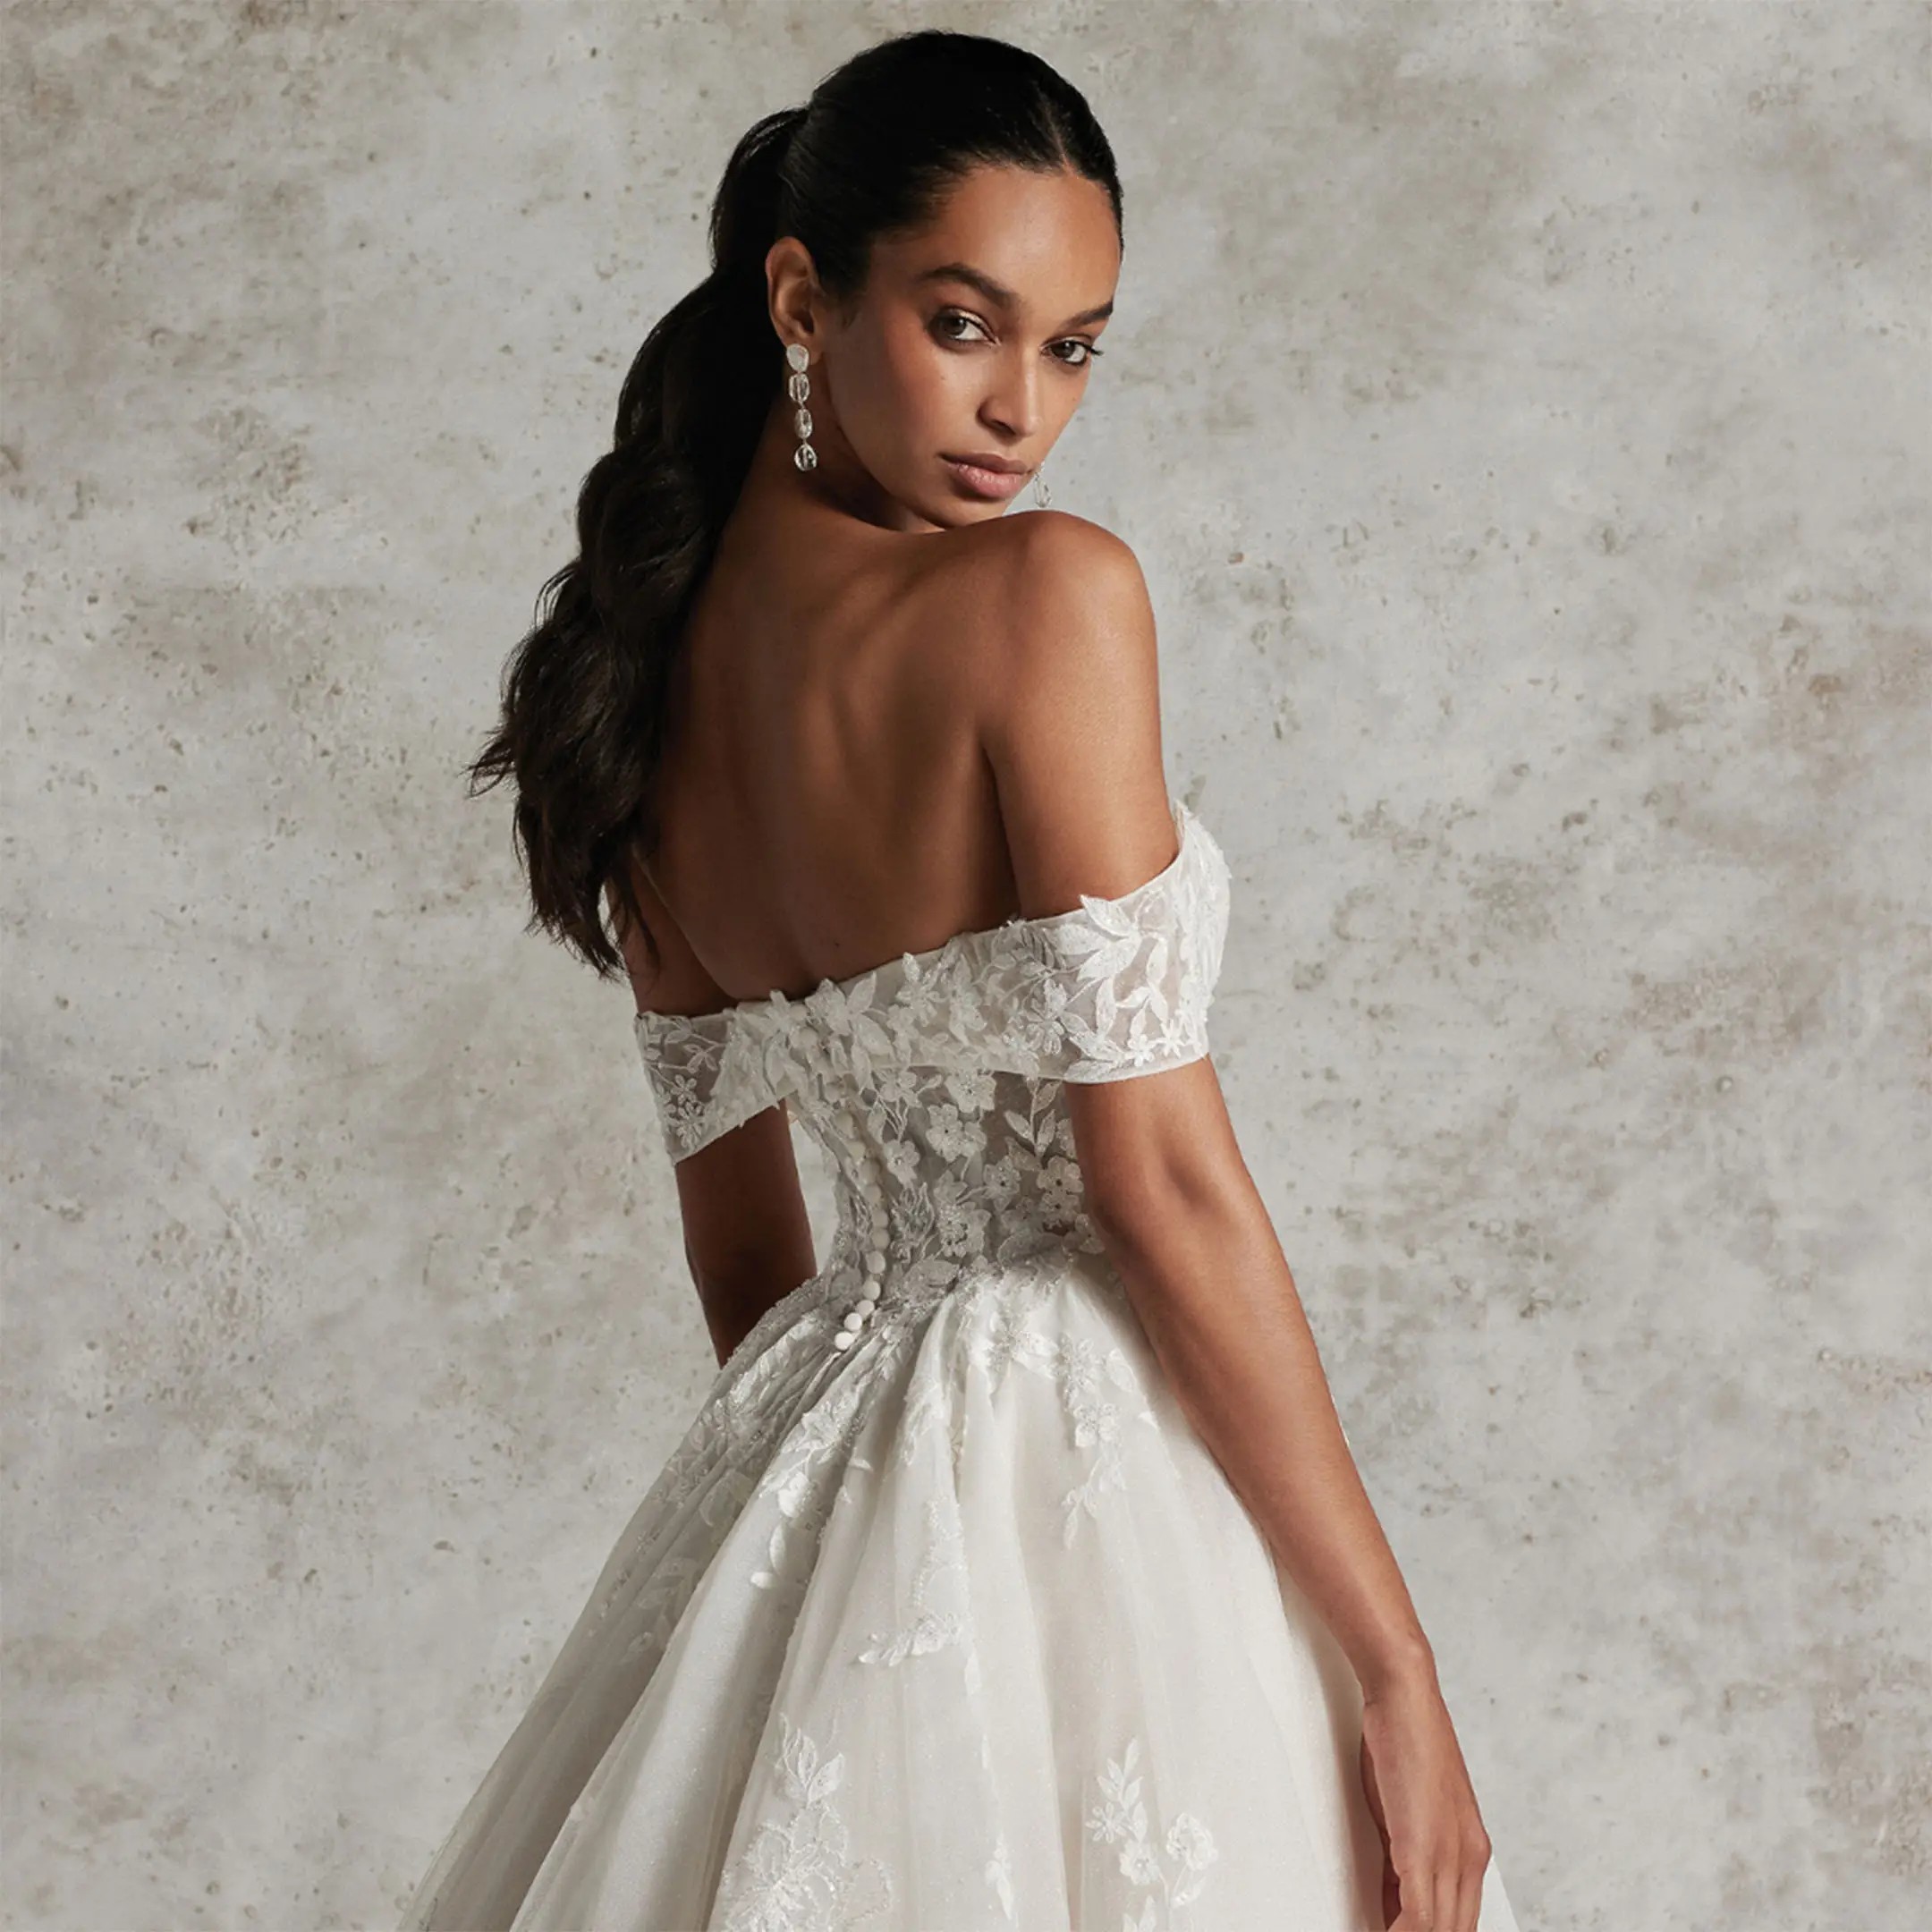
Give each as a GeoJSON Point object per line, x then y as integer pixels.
{"type": "Point", "coordinates": [1015, 1571]}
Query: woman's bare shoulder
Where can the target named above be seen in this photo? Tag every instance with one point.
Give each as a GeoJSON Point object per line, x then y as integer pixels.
{"type": "Point", "coordinates": [1068, 711]}
{"type": "Point", "coordinates": [1039, 594]}
{"type": "Point", "coordinates": [1050, 550]}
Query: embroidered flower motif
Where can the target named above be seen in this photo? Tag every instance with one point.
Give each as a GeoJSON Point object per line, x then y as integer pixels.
{"type": "Point", "coordinates": [1061, 1188]}
{"type": "Point", "coordinates": [971, 1088]}
{"type": "Point", "coordinates": [959, 1217]}
{"type": "Point", "coordinates": [898, 1086]}
{"type": "Point", "coordinates": [999, 1181]}
{"type": "Point", "coordinates": [950, 1138]}
{"type": "Point", "coordinates": [1096, 1421]}
{"type": "Point", "coordinates": [1119, 1819]}
{"type": "Point", "coordinates": [794, 1874]}
{"type": "Point", "coordinates": [903, 1159]}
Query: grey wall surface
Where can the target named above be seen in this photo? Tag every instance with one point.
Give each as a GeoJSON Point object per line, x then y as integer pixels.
{"type": "Point", "coordinates": [1520, 412]}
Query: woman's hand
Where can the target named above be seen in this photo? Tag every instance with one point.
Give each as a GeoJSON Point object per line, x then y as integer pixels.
{"type": "Point", "coordinates": [1433, 1841]}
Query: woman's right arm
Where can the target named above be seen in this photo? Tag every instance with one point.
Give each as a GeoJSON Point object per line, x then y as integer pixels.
{"type": "Point", "coordinates": [1071, 730]}
{"type": "Point", "coordinates": [1072, 734]}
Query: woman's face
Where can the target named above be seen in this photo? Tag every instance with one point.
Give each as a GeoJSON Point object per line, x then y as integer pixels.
{"type": "Point", "coordinates": [973, 338]}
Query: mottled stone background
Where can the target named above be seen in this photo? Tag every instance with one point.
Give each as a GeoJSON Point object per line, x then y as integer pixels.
{"type": "Point", "coordinates": [1521, 412]}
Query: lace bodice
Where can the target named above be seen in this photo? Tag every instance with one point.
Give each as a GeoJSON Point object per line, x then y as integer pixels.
{"type": "Point", "coordinates": [933, 1081]}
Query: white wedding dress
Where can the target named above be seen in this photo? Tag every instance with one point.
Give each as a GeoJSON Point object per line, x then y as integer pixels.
{"type": "Point", "coordinates": [941, 1618]}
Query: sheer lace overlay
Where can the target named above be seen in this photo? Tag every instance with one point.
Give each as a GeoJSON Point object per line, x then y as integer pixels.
{"type": "Point", "coordinates": [940, 1616]}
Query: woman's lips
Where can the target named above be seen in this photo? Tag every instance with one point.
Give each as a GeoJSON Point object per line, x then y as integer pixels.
{"type": "Point", "coordinates": [993, 485]}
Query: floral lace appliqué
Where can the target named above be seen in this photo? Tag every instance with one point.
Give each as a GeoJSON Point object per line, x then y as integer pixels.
{"type": "Point", "coordinates": [795, 1875]}
{"type": "Point", "coordinates": [1171, 1871]}
{"type": "Point", "coordinates": [799, 1481]}
{"type": "Point", "coordinates": [1082, 1375]}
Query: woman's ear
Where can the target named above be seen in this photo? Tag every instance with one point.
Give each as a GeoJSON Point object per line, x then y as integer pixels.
{"type": "Point", "coordinates": [792, 292]}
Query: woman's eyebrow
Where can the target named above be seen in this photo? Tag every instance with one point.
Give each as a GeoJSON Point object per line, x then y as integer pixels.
{"type": "Point", "coordinates": [999, 294]}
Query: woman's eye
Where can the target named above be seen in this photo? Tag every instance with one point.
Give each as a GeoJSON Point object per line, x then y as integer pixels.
{"type": "Point", "coordinates": [953, 315]}
{"type": "Point", "coordinates": [1087, 353]}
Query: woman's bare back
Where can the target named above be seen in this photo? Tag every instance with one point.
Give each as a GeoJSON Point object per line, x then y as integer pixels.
{"type": "Point", "coordinates": [825, 802]}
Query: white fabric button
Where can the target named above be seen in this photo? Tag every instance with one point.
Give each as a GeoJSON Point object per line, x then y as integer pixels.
{"type": "Point", "coordinates": [843, 1339]}
{"type": "Point", "coordinates": [856, 1319]}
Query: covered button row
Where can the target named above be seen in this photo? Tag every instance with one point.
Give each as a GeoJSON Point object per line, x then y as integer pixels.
{"type": "Point", "coordinates": [877, 1243]}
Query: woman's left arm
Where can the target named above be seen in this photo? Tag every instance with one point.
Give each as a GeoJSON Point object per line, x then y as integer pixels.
{"type": "Point", "coordinates": [747, 1238]}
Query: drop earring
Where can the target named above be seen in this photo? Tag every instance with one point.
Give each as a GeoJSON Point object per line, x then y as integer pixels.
{"type": "Point", "coordinates": [798, 387]}
{"type": "Point", "coordinates": [1040, 493]}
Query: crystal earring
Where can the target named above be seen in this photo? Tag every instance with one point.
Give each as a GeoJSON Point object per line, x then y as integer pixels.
{"type": "Point", "coordinates": [1040, 494]}
{"type": "Point", "coordinates": [798, 387]}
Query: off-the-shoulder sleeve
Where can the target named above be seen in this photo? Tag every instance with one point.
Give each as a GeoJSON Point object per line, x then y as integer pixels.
{"type": "Point", "coordinates": [707, 1076]}
{"type": "Point", "coordinates": [1123, 986]}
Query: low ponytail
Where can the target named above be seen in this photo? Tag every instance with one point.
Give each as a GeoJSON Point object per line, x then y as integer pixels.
{"type": "Point", "coordinates": [584, 694]}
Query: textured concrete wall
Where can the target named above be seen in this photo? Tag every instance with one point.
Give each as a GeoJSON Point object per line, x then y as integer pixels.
{"type": "Point", "coordinates": [1521, 412]}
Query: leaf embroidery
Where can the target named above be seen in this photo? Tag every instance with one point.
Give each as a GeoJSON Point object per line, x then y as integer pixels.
{"type": "Point", "coordinates": [929, 1629]}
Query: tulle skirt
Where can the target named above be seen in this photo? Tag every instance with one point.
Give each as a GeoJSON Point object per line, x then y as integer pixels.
{"type": "Point", "coordinates": [959, 1627]}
